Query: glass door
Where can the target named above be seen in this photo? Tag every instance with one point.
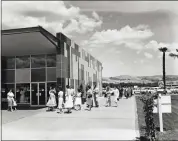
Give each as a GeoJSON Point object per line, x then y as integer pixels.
{"type": "Point", "coordinates": [38, 97]}
{"type": "Point", "coordinates": [42, 93]}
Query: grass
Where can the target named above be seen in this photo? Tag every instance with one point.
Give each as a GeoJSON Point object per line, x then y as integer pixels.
{"type": "Point", "coordinates": [170, 121]}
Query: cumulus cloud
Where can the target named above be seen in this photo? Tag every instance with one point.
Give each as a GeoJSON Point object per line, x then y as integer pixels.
{"type": "Point", "coordinates": [127, 36]}
{"type": "Point", "coordinates": [154, 45]}
{"type": "Point", "coordinates": [148, 55]}
{"type": "Point", "coordinates": [52, 15]}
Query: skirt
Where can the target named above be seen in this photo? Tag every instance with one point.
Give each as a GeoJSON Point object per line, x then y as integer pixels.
{"type": "Point", "coordinates": [10, 101]}
{"type": "Point", "coordinates": [69, 103]}
{"type": "Point", "coordinates": [89, 101]}
{"type": "Point", "coordinates": [78, 101]}
{"type": "Point", "coordinates": [51, 102]}
{"type": "Point", "coordinates": [60, 103]}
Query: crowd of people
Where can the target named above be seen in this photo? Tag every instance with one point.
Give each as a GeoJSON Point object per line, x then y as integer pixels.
{"type": "Point", "coordinates": [74, 100]}
{"type": "Point", "coordinates": [71, 99]}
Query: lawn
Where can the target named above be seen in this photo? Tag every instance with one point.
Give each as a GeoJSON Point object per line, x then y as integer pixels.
{"type": "Point", "coordinates": [170, 121]}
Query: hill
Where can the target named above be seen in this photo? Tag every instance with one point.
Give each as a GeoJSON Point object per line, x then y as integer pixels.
{"type": "Point", "coordinates": [138, 79]}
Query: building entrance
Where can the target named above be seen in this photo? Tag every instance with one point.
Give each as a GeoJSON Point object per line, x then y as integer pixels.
{"type": "Point", "coordinates": [38, 94]}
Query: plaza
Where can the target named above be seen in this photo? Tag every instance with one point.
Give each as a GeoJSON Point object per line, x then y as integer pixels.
{"type": "Point", "coordinates": [103, 123]}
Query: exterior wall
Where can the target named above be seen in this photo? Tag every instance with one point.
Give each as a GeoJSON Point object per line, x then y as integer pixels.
{"type": "Point", "coordinates": [74, 67]}
{"type": "Point", "coordinates": [81, 67]}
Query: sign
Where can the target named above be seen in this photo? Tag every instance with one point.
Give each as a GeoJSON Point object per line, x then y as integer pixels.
{"type": "Point", "coordinates": [162, 105]}
{"type": "Point", "coordinates": [165, 104]}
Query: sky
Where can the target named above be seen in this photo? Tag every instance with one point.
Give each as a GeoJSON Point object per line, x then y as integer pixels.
{"type": "Point", "coordinates": [123, 35]}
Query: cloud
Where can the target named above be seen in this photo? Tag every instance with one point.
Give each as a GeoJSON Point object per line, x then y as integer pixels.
{"type": "Point", "coordinates": [53, 15]}
{"type": "Point", "coordinates": [154, 45]}
{"type": "Point", "coordinates": [142, 61]}
{"type": "Point", "coordinates": [148, 55]}
{"type": "Point", "coordinates": [130, 37]}
{"type": "Point", "coordinates": [135, 62]}
{"type": "Point", "coordinates": [95, 15]}
{"type": "Point", "coordinates": [134, 6]}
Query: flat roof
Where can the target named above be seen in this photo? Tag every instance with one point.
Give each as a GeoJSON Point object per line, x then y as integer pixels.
{"type": "Point", "coordinates": [39, 40]}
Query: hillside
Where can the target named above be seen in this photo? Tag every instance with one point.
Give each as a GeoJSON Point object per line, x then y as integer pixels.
{"type": "Point", "coordinates": [138, 79]}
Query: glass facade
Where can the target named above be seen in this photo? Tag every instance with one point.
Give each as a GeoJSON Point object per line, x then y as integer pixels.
{"type": "Point", "coordinates": [29, 77]}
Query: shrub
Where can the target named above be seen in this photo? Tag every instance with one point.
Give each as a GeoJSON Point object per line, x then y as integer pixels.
{"type": "Point", "coordinates": [148, 101]}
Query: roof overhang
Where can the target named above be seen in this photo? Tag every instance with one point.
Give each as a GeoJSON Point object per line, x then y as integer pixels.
{"type": "Point", "coordinates": [28, 41]}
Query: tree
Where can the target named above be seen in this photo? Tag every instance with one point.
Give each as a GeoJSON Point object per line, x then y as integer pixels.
{"type": "Point", "coordinates": [163, 50]}
{"type": "Point", "coordinates": [175, 55]}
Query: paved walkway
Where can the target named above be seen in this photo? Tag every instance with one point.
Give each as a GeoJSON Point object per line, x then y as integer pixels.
{"type": "Point", "coordinates": [103, 123]}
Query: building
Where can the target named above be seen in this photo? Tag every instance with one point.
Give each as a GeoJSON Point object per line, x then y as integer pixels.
{"type": "Point", "coordinates": [33, 60]}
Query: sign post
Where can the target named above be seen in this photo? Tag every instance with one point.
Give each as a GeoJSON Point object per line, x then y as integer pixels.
{"type": "Point", "coordinates": [160, 113]}
{"type": "Point", "coordinates": [162, 105]}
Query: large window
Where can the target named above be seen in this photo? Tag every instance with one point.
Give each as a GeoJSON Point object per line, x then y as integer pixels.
{"type": "Point", "coordinates": [5, 89]}
{"type": "Point", "coordinates": [38, 75]}
{"type": "Point", "coordinates": [23, 93]}
{"type": "Point", "coordinates": [51, 60]}
{"type": "Point", "coordinates": [7, 76]}
{"type": "Point", "coordinates": [38, 61]}
{"type": "Point", "coordinates": [51, 74]}
{"type": "Point", "coordinates": [8, 62]}
{"type": "Point", "coordinates": [23, 62]}
{"type": "Point", "coordinates": [22, 75]}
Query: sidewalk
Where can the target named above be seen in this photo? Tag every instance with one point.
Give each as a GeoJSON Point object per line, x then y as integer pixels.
{"type": "Point", "coordinates": [104, 123]}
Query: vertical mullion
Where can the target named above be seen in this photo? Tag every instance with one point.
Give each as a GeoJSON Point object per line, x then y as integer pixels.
{"type": "Point", "coordinates": [30, 84]}
{"type": "Point", "coordinates": [15, 79]}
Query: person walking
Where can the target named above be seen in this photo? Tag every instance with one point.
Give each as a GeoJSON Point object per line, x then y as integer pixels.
{"type": "Point", "coordinates": [10, 100]}
{"type": "Point", "coordinates": [126, 93]}
{"type": "Point", "coordinates": [120, 92]}
{"type": "Point", "coordinates": [69, 100]}
{"type": "Point", "coordinates": [73, 95]}
{"type": "Point", "coordinates": [96, 95]}
{"type": "Point", "coordinates": [60, 100]}
{"type": "Point", "coordinates": [78, 100]}
{"type": "Point", "coordinates": [89, 98]}
{"type": "Point", "coordinates": [116, 96]}
{"type": "Point", "coordinates": [52, 100]}
{"type": "Point", "coordinates": [108, 100]}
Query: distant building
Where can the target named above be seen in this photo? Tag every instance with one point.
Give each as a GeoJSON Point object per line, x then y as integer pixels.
{"type": "Point", "coordinates": [33, 60]}
{"type": "Point", "coordinates": [168, 84]}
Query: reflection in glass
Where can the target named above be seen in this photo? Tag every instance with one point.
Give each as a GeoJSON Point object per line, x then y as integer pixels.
{"type": "Point", "coordinates": [23, 62]}
{"type": "Point", "coordinates": [23, 93]}
{"type": "Point", "coordinates": [51, 60]}
{"type": "Point", "coordinates": [38, 61]}
{"type": "Point", "coordinates": [8, 62]}
{"type": "Point", "coordinates": [38, 75]}
{"type": "Point", "coordinates": [7, 76]}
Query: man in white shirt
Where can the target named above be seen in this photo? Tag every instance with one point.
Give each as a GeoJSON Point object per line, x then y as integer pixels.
{"type": "Point", "coordinates": [116, 95]}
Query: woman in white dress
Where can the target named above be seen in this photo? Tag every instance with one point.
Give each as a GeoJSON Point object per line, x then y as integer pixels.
{"type": "Point", "coordinates": [89, 98]}
{"type": "Point", "coordinates": [116, 96]}
{"type": "Point", "coordinates": [52, 100]}
{"type": "Point", "coordinates": [10, 99]}
{"type": "Point", "coordinates": [69, 99]}
{"type": "Point", "coordinates": [108, 100]}
{"type": "Point", "coordinates": [78, 100]}
{"type": "Point", "coordinates": [60, 100]}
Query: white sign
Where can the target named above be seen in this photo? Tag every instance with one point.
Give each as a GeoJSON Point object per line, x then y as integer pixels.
{"type": "Point", "coordinates": [165, 105]}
